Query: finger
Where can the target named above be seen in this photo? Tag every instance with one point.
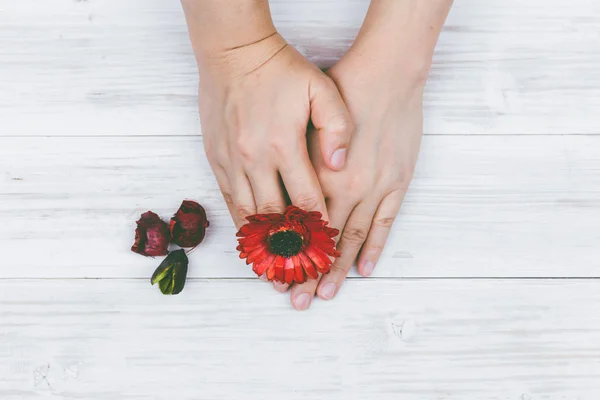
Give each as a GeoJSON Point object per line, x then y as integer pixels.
{"type": "Point", "coordinates": [281, 287]}
{"type": "Point", "coordinates": [243, 200]}
{"type": "Point", "coordinates": [267, 190]}
{"type": "Point", "coordinates": [304, 190]}
{"type": "Point", "coordinates": [331, 118]}
{"type": "Point", "coordinates": [269, 198]}
{"type": "Point", "coordinates": [354, 235]}
{"type": "Point", "coordinates": [339, 211]}
{"type": "Point", "coordinates": [302, 295]}
{"type": "Point", "coordinates": [379, 232]}
{"type": "Point", "coordinates": [302, 184]}
{"type": "Point", "coordinates": [225, 187]}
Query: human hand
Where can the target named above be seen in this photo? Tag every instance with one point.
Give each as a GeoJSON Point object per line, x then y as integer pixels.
{"type": "Point", "coordinates": [385, 102]}
{"type": "Point", "coordinates": [255, 104]}
{"type": "Point", "coordinates": [381, 79]}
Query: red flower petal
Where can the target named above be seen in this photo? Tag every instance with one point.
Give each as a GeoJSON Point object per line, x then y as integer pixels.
{"type": "Point", "coordinates": [288, 247]}
{"type": "Point", "coordinates": [278, 265]}
{"type": "Point", "coordinates": [271, 270]}
{"type": "Point", "coordinates": [257, 254]}
{"type": "Point", "coordinates": [331, 232]}
{"type": "Point", "coordinates": [321, 261]}
{"type": "Point", "coordinates": [309, 266]}
{"type": "Point", "coordinates": [288, 271]}
{"type": "Point", "coordinates": [315, 215]}
{"type": "Point", "coordinates": [299, 274]}
{"type": "Point", "coordinates": [253, 240]}
{"type": "Point", "coordinates": [273, 217]}
{"type": "Point", "coordinates": [253, 229]}
{"type": "Point", "coordinates": [261, 266]}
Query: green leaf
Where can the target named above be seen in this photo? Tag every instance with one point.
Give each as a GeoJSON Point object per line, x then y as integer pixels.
{"type": "Point", "coordinates": [171, 273]}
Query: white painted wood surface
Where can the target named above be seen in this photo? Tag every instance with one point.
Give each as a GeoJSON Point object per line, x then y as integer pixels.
{"type": "Point", "coordinates": [414, 340]}
{"type": "Point", "coordinates": [98, 123]}
{"type": "Point", "coordinates": [481, 206]}
{"type": "Point", "coordinates": [114, 67]}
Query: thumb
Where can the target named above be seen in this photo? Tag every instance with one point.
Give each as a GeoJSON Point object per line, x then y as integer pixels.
{"type": "Point", "coordinates": [331, 118]}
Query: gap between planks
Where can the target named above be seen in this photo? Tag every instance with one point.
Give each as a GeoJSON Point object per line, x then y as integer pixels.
{"type": "Point", "coordinates": [353, 278]}
{"type": "Point", "coordinates": [541, 135]}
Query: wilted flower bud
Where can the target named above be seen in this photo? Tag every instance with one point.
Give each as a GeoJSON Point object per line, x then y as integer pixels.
{"type": "Point", "coordinates": [171, 273]}
{"type": "Point", "coordinates": [189, 224]}
{"type": "Point", "coordinates": [151, 236]}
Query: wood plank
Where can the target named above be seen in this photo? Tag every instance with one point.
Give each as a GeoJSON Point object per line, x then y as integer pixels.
{"type": "Point", "coordinates": [115, 67]}
{"type": "Point", "coordinates": [480, 206]}
{"type": "Point", "coordinates": [440, 339]}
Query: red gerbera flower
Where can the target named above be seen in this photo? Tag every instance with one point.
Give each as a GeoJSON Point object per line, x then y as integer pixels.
{"type": "Point", "coordinates": [288, 247]}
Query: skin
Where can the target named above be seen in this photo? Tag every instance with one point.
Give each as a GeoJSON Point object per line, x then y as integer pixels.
{"type": "Point", "coordinates": [375, 118]}
{"type": "Point", "coordinates": [257, 95]}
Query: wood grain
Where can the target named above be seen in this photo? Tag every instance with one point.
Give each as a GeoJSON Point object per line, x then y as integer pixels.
{"type": "Point", "coordinates": [125, 67]}
{"type": "Point", "coordinates": [98, 123]}
{"type": "Point", "coordinates": [121, 339]}
{"type": "Point", "coordinates": [515, 206]}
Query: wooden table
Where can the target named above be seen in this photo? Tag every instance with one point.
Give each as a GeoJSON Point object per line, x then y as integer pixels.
{"type": "Point", "coordinates": [488, 288]}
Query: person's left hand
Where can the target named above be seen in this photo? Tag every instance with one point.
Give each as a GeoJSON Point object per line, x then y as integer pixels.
{"type": "Point", "coordinates": [385, 102]}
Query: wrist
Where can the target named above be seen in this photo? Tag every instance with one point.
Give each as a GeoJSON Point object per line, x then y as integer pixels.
{"type": "Point", "coordinates": [242, 60]}
{"type": "Point", "coordinates": [215, 28]}
{"type": "Point", "coordinates": [403, 34]}
{"type": "Point", "coordinates": [391, 61]}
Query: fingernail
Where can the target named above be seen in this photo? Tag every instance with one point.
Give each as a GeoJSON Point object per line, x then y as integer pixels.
{"type": "Point", "coordinates": [328, 291]}
{"type": "Point", "coordinates": [302, 301]}
{"type": "Point", "coordinates": [367, 268]}
{"type": "Point", "coordinates": [338, 159]}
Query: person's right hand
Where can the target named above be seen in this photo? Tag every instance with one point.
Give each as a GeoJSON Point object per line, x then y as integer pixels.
{"type": "Point", "coordinates": [255, 104]}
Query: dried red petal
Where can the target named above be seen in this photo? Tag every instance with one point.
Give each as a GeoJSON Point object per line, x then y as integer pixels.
{"type": "Point", "coordinates": [321, 261]}
{"type": "Point", "coordinates": [289, 247]}
{"type": "Point", "coordinates": [151, 236]}
{"type": "Point", "coordinates": [188, 225]}
{"type": "Point", "coordinates": [299, 274]}
{"type": "Point", "coordinates": [260, 267]}
{"type": "Point", "coordinates": [256, 254]}
{"type": "Point", "coordinates": [288, 271]}
{"type": "Point", "coordinates": [309, 266]}
{"type": "Point", "coordinates": [278, 266]}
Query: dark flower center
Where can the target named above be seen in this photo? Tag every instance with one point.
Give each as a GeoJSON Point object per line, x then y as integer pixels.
{"type": "Point", "coordinates": [285, 243]}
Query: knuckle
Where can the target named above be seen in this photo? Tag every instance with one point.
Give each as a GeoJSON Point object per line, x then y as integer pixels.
{"type": "Point", "coordinates": [216, 156]}
{"type": "Point", "coordinates": [339, 124]}
{"type": "Point", "coordinates": [307, 201]}
{"type": "Point", "coordinates": [339, 268]}
{"type": "Point", "coordinates": [342, 125]}
{"type": "Point", "coordinates": [374, 249]}
{"type": "Point", "coordinates": [245, 146]}
{"type": "Point", "coordinates": [397, 195]}
{"type": "Point", "coordinates": [279, 145]}
{"type": "Point", "coordinates": [405, 176]}
{"type": "Point", "coordinates": [211, 156]}
{"type": "Point", "coordinates": [210, 149]}
{"type": "Point", "coordinates": [327, 83]}
{"type": "Point", "coordinates": [355, 183]}
{"type": "Point", "coordinates": [242, 211]}
{"type": "Point", "coordinates": [354, 236]}
{"type": "Point", "coordinates": [359, 184]}
{"type": "Point", "coordinates": [328, 178]}
{"type": "Point", "coordinates": [228, 199]}
{"type": "Point", "coordinates": [384, 222]}
{"type": "Point", "coordinates": [269, 207]}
